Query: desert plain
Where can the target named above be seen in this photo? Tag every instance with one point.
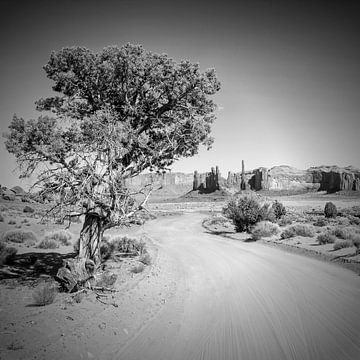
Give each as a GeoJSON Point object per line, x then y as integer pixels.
{"type": "Point", "coordinates": [207, 292]}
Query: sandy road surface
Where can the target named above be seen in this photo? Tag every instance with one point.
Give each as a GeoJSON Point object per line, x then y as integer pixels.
{"type": "Point", "coordinates": [246, 301]}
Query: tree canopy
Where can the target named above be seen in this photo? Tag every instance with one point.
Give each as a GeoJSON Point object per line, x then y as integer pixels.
{"type": "Point", "coordinates": [115, 113]}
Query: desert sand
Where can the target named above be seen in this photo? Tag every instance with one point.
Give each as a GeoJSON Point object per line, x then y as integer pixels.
{"type": "Point", "coordinates": [203, 297]}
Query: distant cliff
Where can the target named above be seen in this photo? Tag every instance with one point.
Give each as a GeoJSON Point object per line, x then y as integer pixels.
{"type": "Point", "coordinates": [324, 178]}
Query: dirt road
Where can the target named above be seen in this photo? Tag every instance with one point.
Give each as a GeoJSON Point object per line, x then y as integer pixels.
{"type": "Point", "coordinates": [247, 301]}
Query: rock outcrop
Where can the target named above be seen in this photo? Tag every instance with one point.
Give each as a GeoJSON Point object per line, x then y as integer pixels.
{"type": "Point", "coordinates": [208, 182]}
{"type": "Point", "coordinates": [334, 178]}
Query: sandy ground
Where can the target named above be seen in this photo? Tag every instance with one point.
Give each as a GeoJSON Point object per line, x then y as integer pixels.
{"type": "Point", "coordinates": [203, 297]}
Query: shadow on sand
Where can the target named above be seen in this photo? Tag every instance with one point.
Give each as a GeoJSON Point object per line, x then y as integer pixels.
{"type": "Point", "coordinates": [33, 266]}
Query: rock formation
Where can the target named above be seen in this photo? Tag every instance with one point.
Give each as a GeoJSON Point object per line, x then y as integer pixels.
{"type": "Point", "coordinates": [208, 182]}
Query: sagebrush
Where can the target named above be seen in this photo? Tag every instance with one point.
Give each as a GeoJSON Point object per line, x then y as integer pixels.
{"type": "Point", "coordinates": [264, 229]}
{"type": "Point", "coordinates": [44, 294]}
{"type": "Point", "coordinates": [247, 210]}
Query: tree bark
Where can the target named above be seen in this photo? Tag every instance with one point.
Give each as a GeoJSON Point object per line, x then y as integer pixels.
{"type": "Point", "coordinates": [80, 272]}
{"type": "Point", "coordinates": [90, 238]}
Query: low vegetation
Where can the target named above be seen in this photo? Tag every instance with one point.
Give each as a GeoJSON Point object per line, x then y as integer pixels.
{"type": "Point", "coordinates": [44, 294]}
{"type": "Point", "coordinates": [279, 209]}
{"type": "Point", "coordinates": [298, 230]}
{"type": "Point", "coordinates": [330, 210]}
{"type": "Point", "coordinates": [62, 237]}
{"type": "Point", "coordinates": [264, 229]}
{"type": "Point", "coordinates": [19, 237]}
{"type": "Point", "coordinates": [340, 244]}
{"type": "Point", "coordinates": [247, 210]}
{"type": "Point", "coordinates": [48, 244]}
{"type": "Point", "coordinates": [326, 238]}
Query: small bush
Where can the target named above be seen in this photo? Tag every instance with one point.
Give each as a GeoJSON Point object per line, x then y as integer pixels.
{"type": "Point", "coordinates": [138, 268]}
{"type": "Point", "coordinates": [353, 220]}
{"type": "Point", "coordinates": [106, 249]}
{"type": "Point", "coordinates": [48, 244]}
{"type": "Point", "coordinates": [298, 230]}
{"type": "Point", "coordinates": [12, 222]}
{"type": "Point", "coordinates": [356, 241]}
{"type": "Point", "coordinates": [19, 236]}
{"type": "Point", "coordinates": [340, 244]}
{"type": "Point", "coordinates": [128, 245]}
{"type": "Point", "coordinates": [7, 254]}
{"type": "Point", "coordinates": [320, 222]}
{"type": "Point", "coordinates": [61, 236]}
{"type": "Point", "coordinates": [264, 229]}
{"type": "Point", "coordinates": [326, 238]}
{"type": "Point", "coordinates": [25, 221]}
{"type": "Point", "coordinates": [330, 210]}
{"type": "Point", "coordinates": [343, 233]}
{"type": "Point", "coordinates": [279, 209]}
{"type": "Point", "coordinates": [44, 294]}
{"type": "Point", "coordinates": [285, 220]}
{"type": "Point", "coordinates": [28, 209]}
{"type": "Point", "coordinates": [246, 210]}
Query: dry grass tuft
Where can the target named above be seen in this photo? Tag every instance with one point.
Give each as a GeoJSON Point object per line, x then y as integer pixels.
{"type": "Point", "coordinates": [264, 229]}
{"type": "Point", "coordinates": [19, 236]}
{"type": "Point", "coordinates": [326, 238]}
{"type": "Point", "coordinates": [44, 294]}
{"type": "Point", "coordinates": [341, 244]}
{"type": "Point", "coordinates": [48, 244]}
{"type": "Point", "coordinates": [298, 230]}
{"type": "Point", "coordinates": [60, 236]}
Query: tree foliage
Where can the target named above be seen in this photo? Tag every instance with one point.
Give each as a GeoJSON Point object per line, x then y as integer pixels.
{"type": "Point", "coordinates": [115, 114]}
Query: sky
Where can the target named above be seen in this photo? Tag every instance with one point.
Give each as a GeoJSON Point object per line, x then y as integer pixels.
{"type": "Point", "coordinates": [289, 70]}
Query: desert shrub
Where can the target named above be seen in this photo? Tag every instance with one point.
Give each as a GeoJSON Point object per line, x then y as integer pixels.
{"type": "Point", "coordinates": [353, 211]}
{"type": "Point", "coordinates": [7, 254]}
{"type": "Point", "coordinates": [326, 238]}
{"type": "Point", "coordinates": [44, 294]}
{"type": "Point", "coordinates": [330, 210]}
{"type": "Point", "coordinates": [264, 229]}
{"type": "Point", "coordinates": [145, 258]}
{"type": "Point", "coordinates": [48, 244]}
{"type": "Point", "coordinates": [24, 221]}
{"type": "Point", "coordinates": [298, 230]}
{"type": "Point", "coordinates": [353, 220]}
{"type": "Point", "coordinates": [28, 209]}
{"type": "Point", "coordinates": [106, 279]}
{"type": "Point", "coordinates": [279, 209]}
{"type": "Point", "coordinates": [343, 233]}
{"type": "Point", "coordinates": [19, 236]}
{"type": "Point", "coordinates": [320, 222]}
{"type": "Point", "coordinates": [340, 244]}
{"type": "Point", "coordinates": [356, 241]}
{"type": "Point", "coordinates": [61, 236]}
{"type": "Point", "coordinates": [138, 268]}
{"type": "Point", "coordinates": [106, 249]}
{"type": "Point", "coordinates": [285, 220]}
{"type": "Point", "coordinates": [216, 221]}
{"type": "Point", "coordinates": [245, 211]}
{"type": "Point", "coordinates": [12, 222]}
{"type": "Point", "coordinates": [1, 218]}
{"type": "Point", "coordinates": [267, 213]}
{"type": "Point", "coordinates": [128, 245]}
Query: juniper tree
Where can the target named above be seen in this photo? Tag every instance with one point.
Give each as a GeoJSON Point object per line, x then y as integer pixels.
{"type": "Point", "coordinates": [115, 113]}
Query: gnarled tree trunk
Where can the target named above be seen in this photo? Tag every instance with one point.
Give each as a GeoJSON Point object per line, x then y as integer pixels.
{"type": "Point", "coordinates": [80, 272]}
{"type": "Point", "coordinates": [90, 238]}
